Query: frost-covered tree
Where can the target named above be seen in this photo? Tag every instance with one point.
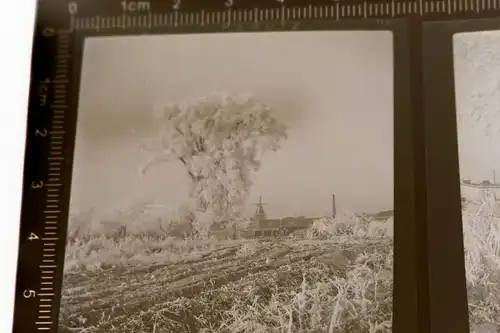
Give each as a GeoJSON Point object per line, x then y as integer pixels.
{"type": "Point", "coordinates": [219, 139]}
{"type": "Point", "coordinates": [477, 70]}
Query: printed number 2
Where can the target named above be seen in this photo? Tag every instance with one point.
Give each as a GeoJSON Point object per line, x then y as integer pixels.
{"type": "Point", "coordinates": [42, 133]}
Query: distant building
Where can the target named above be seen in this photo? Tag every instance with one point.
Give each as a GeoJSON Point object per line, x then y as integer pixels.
{"type": "Point", "coordinates": [262, 226]}
{"type": "Point", "coordinates": [479, 191]}
{"type": "Point", "coordinates": [384, 215]}
{"type": "Point", "coordinates": [281, 226]}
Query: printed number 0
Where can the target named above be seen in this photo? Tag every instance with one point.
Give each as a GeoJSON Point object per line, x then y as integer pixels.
{"type": "Point", "coordinates": [73, 8]}
{"type": "Point", "coordinates": [28, 293]}
{"type": "Point", "coordinates": [229, 3]}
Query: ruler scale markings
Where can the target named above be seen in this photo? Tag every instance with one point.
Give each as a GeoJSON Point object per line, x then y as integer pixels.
{"type": "Point", "coordinates": [393, 8]}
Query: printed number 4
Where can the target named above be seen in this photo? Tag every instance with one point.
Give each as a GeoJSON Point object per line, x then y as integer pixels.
{"type": "Point", "coordinates": [32, 236]}
{"type": "Point", "coordinates": [42, 133]}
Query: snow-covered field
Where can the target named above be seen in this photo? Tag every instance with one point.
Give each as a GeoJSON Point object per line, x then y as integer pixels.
{"type": "Point", "coordinates": [327, 279]}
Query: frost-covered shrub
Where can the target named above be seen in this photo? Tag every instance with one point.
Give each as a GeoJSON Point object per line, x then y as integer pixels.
{"type": "Point", "coordinates": [350, 225]}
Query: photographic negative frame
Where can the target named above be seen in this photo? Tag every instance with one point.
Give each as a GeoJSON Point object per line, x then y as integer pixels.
{"type": "Point", "coordinates": [403, 237]}
{"type": "Point", "coordinates": [406, 274]}
{"type": "Point", "coordinates": [447, 274]}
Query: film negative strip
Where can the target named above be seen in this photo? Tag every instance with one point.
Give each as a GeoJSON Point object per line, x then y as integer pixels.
{"type": "Point", "coordinates": [249, 213]}
{"type": "Point", "coordinates": [461, 57]}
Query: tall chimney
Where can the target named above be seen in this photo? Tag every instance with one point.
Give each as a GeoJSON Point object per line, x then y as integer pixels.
{"type": "Point", "coordinates": [334, 207]}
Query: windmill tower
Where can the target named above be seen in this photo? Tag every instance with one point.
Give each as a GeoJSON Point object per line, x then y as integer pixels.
{"type": "Point", "coordinates": [260, 214]}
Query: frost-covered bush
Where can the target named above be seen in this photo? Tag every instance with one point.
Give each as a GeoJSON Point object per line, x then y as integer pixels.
{"type": "Point", "coordinates": [481, 228]}
{"type": "Point", "coordinates": [351, 225]}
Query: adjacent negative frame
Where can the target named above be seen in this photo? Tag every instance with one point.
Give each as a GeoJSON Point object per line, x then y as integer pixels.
{"type": "Point", "coordinates": [445, 247]}
{"type": "Point", "coordinates": [406, 309]}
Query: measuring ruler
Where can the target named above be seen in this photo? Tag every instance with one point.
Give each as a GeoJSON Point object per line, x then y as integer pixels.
{"type": "Point", "coordinates": [146, 14]}
{"type": "Point", "coordinates": [52, 103]}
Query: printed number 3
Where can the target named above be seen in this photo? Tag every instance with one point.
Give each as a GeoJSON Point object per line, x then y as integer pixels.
{"type": "Point", "coordinates": [36, 184]}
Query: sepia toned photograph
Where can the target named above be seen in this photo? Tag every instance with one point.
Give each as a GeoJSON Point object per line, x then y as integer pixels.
{"type": "Point", "coordinates": [239, 183]}
{"type": "Point", "coordinates": [477, 88]}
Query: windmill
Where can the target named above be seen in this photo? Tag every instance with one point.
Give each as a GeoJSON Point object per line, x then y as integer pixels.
{"type": "Point", "coordinates": [260, 214]}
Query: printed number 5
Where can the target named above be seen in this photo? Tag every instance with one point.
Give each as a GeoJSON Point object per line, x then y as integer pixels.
{"type": "Point", "coordinates": [28, 293]}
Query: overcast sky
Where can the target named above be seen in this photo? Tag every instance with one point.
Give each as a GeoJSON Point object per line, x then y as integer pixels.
{"type": "Point", "coordinates": [477, 82]}
{"type": "Point", "coordinates": [333, 89]}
